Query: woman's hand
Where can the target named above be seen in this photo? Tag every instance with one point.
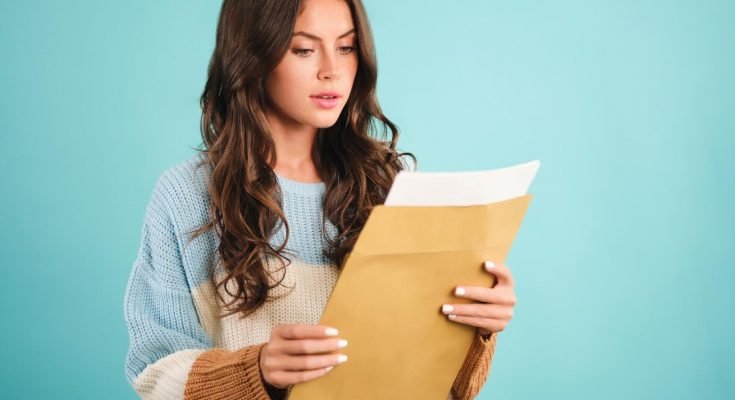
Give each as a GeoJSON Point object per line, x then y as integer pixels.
{"type": "Point", "coordinates": [299, 353]}
{"type": "Point", "coordinates": [493, 308]}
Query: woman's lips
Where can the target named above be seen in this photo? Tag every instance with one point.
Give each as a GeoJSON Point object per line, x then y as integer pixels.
{"type": "Point", "coordinates": [325, 103]}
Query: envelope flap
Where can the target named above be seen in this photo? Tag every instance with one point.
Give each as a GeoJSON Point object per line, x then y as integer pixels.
{"type": "Point", "coordinates": [422, 229]}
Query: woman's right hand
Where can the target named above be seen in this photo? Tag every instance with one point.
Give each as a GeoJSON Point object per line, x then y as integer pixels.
{"type": "Point", "coordinates": [300, 353]}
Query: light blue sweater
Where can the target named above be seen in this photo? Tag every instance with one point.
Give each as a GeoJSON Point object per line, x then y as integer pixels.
{"type": "Point", "coordinates": [169, 302]}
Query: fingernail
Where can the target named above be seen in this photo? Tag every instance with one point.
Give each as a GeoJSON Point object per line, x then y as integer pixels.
{"type": "Point", "coordinates": [329, 368]}
{"type": "Point", "coordinates": [342, 358]}
{"type": "Point", "coordinates": [331, 332]}
{"type": "Point", "coordinates": [459, 291]}
{"type": "Point", "coordinates": [489, 265]}
{"type": "Point", "coordinates": [446, 308]}
{"type": "Point", "coordinates": [342, 343]}
{"type": "Point", "coordinates": [452, 316]}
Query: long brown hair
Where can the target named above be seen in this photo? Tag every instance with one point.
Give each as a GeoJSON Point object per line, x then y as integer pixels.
{"type": "Point", "coordinates": [355, 158]}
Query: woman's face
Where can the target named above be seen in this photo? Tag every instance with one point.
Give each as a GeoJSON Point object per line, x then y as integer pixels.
{"type": "Point", "coordinates": [321, 60]}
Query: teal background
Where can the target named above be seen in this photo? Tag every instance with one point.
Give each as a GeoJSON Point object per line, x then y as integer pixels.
{"type": "Point", "coordinates": [623, 266]}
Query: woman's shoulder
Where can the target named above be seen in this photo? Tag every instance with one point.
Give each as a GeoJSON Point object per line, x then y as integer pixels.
{"type": "Point", "coordinates": [182, 189]}
{"type": "Point", "coordinates": [177, 207]}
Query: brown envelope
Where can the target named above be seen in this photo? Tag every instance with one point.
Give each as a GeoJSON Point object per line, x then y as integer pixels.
{"type": "Point", "coordinates": [387, 300]}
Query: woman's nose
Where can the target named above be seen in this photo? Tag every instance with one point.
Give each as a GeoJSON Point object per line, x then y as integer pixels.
{"type": "Point", "coordinates": [330, 67]}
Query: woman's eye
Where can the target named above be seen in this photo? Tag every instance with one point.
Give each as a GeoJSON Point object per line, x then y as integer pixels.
{"type": "Point", "coordinates": [302, 52]}
{"type": "Point", "coordinates": [346, 49]}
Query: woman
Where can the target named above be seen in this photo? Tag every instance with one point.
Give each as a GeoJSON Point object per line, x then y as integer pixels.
{"type": "Point", "coordinates": [242, 244]}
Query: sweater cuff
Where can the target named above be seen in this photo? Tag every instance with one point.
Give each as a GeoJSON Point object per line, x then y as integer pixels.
{"type": "Point", "coordinates": [223, 374]}
{"type": "Point", "coordinates": [476, 368]}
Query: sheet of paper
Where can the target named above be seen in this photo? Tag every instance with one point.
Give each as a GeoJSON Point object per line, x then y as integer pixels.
{"type": "Point", "coordinates": [461, 188]}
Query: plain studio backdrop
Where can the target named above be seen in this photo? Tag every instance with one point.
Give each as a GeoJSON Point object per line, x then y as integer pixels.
{"type": "Point", "coordinates": [623, 265]}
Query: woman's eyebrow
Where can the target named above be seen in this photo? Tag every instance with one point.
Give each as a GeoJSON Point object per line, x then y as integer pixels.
{"type": "Point", "coordinates": [315, 37]}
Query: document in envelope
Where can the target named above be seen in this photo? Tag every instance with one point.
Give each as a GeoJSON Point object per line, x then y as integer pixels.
{"type": "Point", "coordinates": [432, 234]}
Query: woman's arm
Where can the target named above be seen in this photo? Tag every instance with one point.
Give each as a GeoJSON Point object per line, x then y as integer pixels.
{"type": "Point", "coordinates": [170, 355]}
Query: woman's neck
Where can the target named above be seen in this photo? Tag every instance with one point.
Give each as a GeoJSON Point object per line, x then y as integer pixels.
{"type": "Point", "coordinates": [294, 143]}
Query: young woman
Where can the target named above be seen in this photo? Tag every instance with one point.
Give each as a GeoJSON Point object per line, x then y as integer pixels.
{"type": "Point", "coordinates": [242, 243]}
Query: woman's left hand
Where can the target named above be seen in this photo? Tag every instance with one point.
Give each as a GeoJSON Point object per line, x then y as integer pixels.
{"type": "Point", "coordinates": [493, 308]}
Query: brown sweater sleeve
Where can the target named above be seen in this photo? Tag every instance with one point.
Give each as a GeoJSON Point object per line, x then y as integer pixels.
{"type": "Point", "coordinates": [476, 368]}
{"type": "Point", "coordinates": [222, 374]}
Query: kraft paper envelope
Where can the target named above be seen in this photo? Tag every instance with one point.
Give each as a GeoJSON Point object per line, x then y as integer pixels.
{"type": "Point", "coordinates": [403, 267]}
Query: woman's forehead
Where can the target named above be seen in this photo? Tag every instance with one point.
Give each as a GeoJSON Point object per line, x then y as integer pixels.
{"type": "Point", "coordinates": [325, 19]}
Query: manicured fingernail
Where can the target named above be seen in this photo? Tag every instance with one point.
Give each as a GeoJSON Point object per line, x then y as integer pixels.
{"type": "Point", "coordinates": [342, 343]}
{"type": "Point", "coordinates": [342, 358]}
{"type": "Point", "coordinates": [452, 316]}
{"type": "Point", "coordinates": [331, 332]}
{"type": "Point", "coordinates": [459, 291]}
{"type": "Point", "coordinates": [489, 265]}
{"type": "Point", "coordinates": [329, 368]}
{"type": "Point", "coordinates": [446, 308]}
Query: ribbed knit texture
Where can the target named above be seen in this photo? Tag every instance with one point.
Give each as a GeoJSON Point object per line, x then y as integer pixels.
{"type": "Point", "coordinates": [178, 346]}
{"type": "Point", "coordinates": [476, 368]}
{"type": "Point", "coordinates": [222, 374]}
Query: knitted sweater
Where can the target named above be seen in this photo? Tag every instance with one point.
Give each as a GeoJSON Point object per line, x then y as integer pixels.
{"type": "Point", "coordinates": [178, 347]}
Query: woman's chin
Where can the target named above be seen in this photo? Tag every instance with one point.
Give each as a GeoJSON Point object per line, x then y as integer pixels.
{"type": "Point", "coordinates": [325, 122]}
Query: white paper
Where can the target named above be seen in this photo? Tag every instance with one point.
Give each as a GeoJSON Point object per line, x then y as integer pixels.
{"type": "Point", "coordinates": [467, 188]}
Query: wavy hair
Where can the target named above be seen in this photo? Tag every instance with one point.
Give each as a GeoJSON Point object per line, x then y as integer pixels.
{"type": "Point", "coordinates": [355, 157]}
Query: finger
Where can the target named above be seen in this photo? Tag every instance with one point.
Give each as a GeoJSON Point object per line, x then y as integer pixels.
{"type": "Point", "coordinates": [491, 324]}
{"type": "Point", "coordinates": [310, 346]}
{"type": "Point", "coordinates": [310, 362]}
{"type": "Point", "coordinates": [496, 311]}
{"type": "Point", "coordinates": [501, 272]}
{"type": "Point", "coordinates": [286, 378]}
{"type": "Point", "coordinates": [497, 295]}
{"type": "Point", "coordinates": [298, 331]}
